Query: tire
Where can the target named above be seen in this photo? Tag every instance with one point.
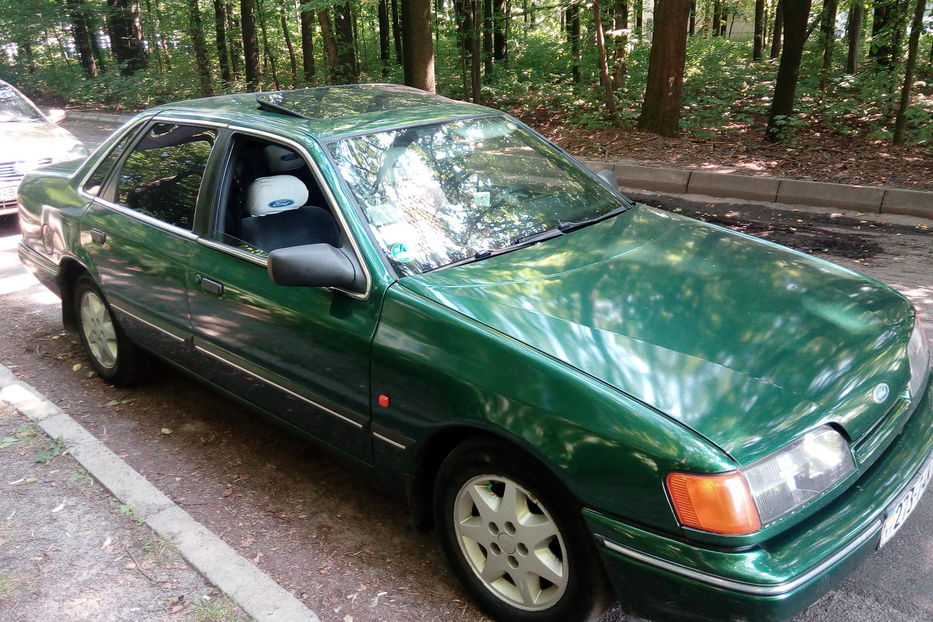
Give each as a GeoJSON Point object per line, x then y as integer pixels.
{"type": "Point", "coordinates": [113, 356]}
{"type": "Point", "coordinates": [531, 560]}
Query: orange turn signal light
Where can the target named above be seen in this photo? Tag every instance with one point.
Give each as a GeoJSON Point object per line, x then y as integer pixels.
{"type": "Point", "coordinates": [715, 503]}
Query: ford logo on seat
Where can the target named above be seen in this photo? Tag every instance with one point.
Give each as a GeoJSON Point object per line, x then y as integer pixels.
{"type": "Point", "coordinates": [281, 203]}
{"type": "Point", "coordinates": [880, 393]}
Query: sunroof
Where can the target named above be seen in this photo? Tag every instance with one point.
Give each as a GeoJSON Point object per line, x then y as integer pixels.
{"type": "Point", "coordinates": [331, 102]}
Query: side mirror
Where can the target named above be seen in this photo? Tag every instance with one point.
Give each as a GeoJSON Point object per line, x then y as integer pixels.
{"type": "Point", "coordinates": [609, 177]}
{"type": "Point", "coordinates": [316, 265]}
{"type": "Point", "coordinates": [56, 115]}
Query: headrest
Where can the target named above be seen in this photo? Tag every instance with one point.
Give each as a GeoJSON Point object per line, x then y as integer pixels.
{"type": "Point", "coordinates": [282, 160]}
{"type": "Point", "coordinates": [278, 193]}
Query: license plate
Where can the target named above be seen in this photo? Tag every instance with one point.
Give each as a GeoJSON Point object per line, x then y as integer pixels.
{"type": "Point", "coordinates": [8, 194]}
{"type": "Point", "coordinates": [907, 503]}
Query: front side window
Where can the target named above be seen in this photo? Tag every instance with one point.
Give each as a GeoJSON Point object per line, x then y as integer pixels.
{"type": "Point", "coordinates": [162, 175]}
{"type": "Point", "coordinates": [443, 193]}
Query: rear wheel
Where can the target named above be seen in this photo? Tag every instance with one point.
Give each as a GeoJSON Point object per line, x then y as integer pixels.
{"type": "Point", "coordinates": [114, 357]}
{"type": "Point", "coordinates": [515, 539]}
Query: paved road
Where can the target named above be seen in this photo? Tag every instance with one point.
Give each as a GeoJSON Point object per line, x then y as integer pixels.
{"type": "Point", "coordinates": [339, 545]}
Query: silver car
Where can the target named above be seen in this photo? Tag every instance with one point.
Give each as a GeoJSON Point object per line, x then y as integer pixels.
{"type": "Point", "coordinates": [29, 138]}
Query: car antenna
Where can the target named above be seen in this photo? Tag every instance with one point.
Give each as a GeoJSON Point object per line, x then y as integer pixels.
{"type": "Point", "coordinates": [265, 103]}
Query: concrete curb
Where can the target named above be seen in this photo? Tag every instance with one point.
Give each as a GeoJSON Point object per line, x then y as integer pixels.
{"type": "Point", "coordinates": [96, 117]}
{"type": "Point", "coordinates": [868, 199]}
{"type": "Point", "coordinates": [252, 589]}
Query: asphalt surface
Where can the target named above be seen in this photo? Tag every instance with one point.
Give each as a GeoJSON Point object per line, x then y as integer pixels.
{"type": "Point", "coordinates": [895, 583]}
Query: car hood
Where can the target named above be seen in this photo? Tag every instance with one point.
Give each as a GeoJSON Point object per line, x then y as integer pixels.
{"type": "Point", "coordinates": [34, 140]}
{"type": "Point", "coordinates": [748, 343]}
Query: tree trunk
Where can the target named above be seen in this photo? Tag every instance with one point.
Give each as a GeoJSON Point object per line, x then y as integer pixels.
{"type": "Point", "coordinates": [759, 29]}
{"type": "Point", "coordinates": [307, 44]}
{"type": "Point", "coordinates": [397, 32]}
{"type": "Point", "coordinates": [346, 70]}
{"type": "Point", "coordinates": [778, 31]}
{"type": "Point", "coordinates": [220, 26]}
{"type": "Point", "coordinates": [573, 34]}
{"type": "Point", "coordinates": [691, 29]}
{"type": "Point", "coordinates": [501, 17]}
{"type": "Point", "coordinates": [785, 90]}
{"type": "Point", "coordinates": [292, 58]}
{"type": "Point", "coordinates": [330, 45]}
{"type": "Point", "coordinates": [475, 83]}
{"type": "Point", "coordinates": [621, 41]}
{"type": "Point", "coordinates": [854, 34]}
{"type": "Point", "coordinates": [827, 39]}
{"type": "Point", "coordinates": [913, 44]}
{"type": "Point", "coordinates": [126, 35]}
{"type": "Point", "coordinates": [385, 35]}
{"type": "Point", "coordinates": [881, 50]}
{"type": "Point", "coordinates": [639, 13]}
{"type": "Point", "coordinates": [603, 63]}
{"type": "Point", "coordinates": [487, 37]}
{"type": "Point", "coordinates": [235, 34]}
{"type": "Point", "coordinates": [82, 36]}
{"type": "Point", "coordinates": [250, 43]}
{"type": "Point", "coordinates": [418, 51]}
{"type": "Point", "coordinates": [196, 31]}
{"type": "Point", "coordinates": [267, 54]}
{"type": "Point", "coordinates": [660, 111]}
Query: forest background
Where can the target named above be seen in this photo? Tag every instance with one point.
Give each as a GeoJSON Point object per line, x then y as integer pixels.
{"type": "Point", "coordinates": [834, 90]}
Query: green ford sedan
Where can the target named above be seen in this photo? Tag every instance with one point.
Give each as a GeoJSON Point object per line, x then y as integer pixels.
{"type": "Point", "coordinates": [589, 398]}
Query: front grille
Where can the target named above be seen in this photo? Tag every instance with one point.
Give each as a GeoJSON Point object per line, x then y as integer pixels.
{"type": "Point", "coordinates": [8, 173]}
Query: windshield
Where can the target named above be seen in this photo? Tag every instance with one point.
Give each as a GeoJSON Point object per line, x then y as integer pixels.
{"type": "Point", "coordinates": [442, 193]}
{"type": "Point", "coordinates": [15, 107]}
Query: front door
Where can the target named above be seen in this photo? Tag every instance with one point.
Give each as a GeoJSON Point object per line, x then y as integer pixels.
{"type": "Point", "coordinates": [301, 353]}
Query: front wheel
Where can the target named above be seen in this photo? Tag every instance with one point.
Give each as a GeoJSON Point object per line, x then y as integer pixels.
{"type": "Point", "coordinates": [515, 539]}
{"type": "Point", "coordinates": [114, 357]}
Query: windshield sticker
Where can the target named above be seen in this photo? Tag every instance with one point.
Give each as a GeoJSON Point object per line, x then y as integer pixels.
{"type": "Point", "coordinates": [400, 252]}
{"type": "Point", "coordinates": [481, 199]}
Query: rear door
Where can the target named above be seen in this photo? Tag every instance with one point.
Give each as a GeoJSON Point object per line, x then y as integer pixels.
{"type": "Point", "coordinates": [137, 231]}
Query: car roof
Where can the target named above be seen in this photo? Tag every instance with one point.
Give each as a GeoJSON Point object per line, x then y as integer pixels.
{"type": "Point", "coordinates": [329, 111]}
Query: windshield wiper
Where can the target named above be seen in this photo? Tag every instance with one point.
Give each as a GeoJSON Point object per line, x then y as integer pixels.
{"type": "Point", "coordinates": [566, 227]}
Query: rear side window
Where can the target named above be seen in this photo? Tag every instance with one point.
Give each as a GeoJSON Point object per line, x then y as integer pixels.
{"type": "Point", "coordinates": [162, 175]}
{"type": "Point", "coordinates": [96, 181]}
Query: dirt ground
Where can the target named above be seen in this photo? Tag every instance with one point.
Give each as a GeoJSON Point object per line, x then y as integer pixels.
{"type": "Point", "coordinates": [814, 156]}
{"type": "Point", "coordinates": [70, 551]}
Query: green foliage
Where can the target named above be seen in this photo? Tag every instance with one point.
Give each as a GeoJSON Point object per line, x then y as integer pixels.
{"type": "Point", "coordinates": [724, 91]}
{"type": "Point", "coordinates": [52, 450]}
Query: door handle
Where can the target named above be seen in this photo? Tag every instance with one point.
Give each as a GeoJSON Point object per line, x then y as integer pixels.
{"type": "Point", "coordinates": [210, 286]}
{"type": "Point", "coordinates": [98, 236]}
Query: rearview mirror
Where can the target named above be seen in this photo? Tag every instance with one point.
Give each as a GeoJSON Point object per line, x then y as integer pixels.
{"type": "Point", "coordinates": [609, 177]}
{"type": "Point", "coordinates": [56, 115]}
{"type": "Point", "coordinates": [316, 265]}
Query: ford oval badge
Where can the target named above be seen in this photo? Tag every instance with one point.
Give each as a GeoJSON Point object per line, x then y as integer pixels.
{"type": "Point", "coordinates": [880, 393]}
{"type": "Point", "coordinates": [281, 203]}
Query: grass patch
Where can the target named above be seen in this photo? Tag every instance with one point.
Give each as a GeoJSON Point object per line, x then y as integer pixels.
{"type": "Point", "coordinates": [219, 609]}
{"type": "Point", "coordinates": [8, 585]}
{"type": "Point", "coordinates": [52, 450]}
{"type": "Point", "coordinates": [24, 433]}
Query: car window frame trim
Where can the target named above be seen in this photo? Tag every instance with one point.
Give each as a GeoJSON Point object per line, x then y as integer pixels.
{"type": "Point", "coordinates": [325, 188]}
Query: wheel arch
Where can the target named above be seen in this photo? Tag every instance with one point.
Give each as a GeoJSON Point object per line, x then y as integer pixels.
{"type": "Point", "coordinates": [70, 271]}
{"type": "Point", "coordinates": [434, 450]}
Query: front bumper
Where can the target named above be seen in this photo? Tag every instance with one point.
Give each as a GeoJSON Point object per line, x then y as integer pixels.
{"type": "Point", "coordinates": [664, 578]}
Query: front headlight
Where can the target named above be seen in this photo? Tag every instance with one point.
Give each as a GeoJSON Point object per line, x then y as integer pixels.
{"type": "Point", "coordinates": [792, 476]}
{"type": "Point", "coordinates": [919, 358]}
{"type": "Point", "coordinates": [743, 501]}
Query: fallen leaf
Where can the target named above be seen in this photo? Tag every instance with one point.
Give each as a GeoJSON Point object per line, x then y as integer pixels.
{"type": "Point", "coordinates": [106, 542]}
{"type": "Point", "coordinates": [166, 430]}
{"type": "Point", "coordinates": [76, 367]}
{"type": "Point", "coordinates": [60, 506]}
